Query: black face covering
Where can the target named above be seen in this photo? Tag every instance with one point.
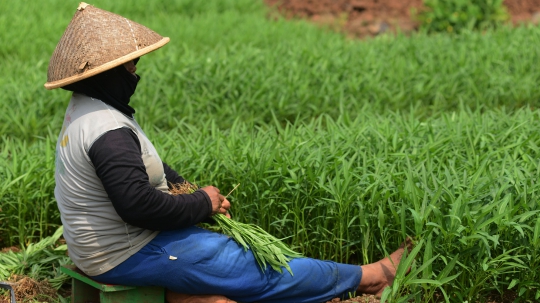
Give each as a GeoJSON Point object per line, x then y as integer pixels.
{"type": "Point", "coordinates": [113, 87]}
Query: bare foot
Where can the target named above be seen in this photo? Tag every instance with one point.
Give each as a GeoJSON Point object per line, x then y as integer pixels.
{"type": "Point", "coordinates": [379, 275]}
{"type": "Point", "coordinates": [172, 297]}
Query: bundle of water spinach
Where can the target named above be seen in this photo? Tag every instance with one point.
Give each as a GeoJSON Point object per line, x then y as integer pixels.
{"type": "Point", "coordinates": [266, 248]}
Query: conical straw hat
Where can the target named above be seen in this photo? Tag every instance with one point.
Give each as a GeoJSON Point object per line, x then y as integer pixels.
{"type": "Point", "coordinates": [96, 41]}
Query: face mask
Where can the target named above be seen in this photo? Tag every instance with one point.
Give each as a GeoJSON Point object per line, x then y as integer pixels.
{"type": "Point", "coordinates": [114, 87]}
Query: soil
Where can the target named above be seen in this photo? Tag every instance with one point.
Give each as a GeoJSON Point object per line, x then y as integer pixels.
{"type": "Point", "coordinates": [364, 18]}
{"type": "Point", "coordinates": [27, 289]}
{"type": "Point", "coordinates": [507, 297]}
{"type": "Point", "coordinates": [362, 299]}
{"type": "Point", "coordinates": [11, 248]}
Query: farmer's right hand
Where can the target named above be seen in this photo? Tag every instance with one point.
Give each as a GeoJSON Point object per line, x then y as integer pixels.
{"type": "Point", "coordinates": [220, 205]}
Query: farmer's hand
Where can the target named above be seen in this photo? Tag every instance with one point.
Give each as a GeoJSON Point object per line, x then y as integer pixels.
{"type": "Point", "coordinates": [226, 205]}
{"type": "Point", "coordinates": [220, 205]}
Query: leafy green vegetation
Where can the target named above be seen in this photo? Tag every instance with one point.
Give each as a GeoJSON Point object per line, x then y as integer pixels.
{"type": "Point", "coordinates": [267, 249]}
{"type": "Point", "coordinates": [347, 146]}
{"type": "Point", "coordinates": [465, 182]}
{"type": "Point", "coordinates": [39, 261]}
{"type": "Point", "coordinates": [231, 61]}
{"type": "Point", "coordinates": [459, 15]}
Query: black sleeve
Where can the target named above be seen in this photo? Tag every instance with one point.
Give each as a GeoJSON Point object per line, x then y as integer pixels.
{"type": "Point", "coordinates": [116, 156]}
{"type": "Point", "coordinates": [172, 176]}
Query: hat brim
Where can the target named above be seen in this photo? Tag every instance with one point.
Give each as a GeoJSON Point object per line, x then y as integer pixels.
{"type": "Point", "coordinates": [107, 66]}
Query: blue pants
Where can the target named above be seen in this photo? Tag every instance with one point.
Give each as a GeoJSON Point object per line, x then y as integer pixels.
{"type": "Point", "coordinates": [212, 263]}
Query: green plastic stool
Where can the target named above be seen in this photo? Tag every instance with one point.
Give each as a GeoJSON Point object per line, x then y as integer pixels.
{"type": "Point", "coordinates": [86, 290]}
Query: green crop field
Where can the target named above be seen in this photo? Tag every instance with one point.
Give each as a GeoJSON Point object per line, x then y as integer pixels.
{"type": "Point", "coordinates": [343, 146]}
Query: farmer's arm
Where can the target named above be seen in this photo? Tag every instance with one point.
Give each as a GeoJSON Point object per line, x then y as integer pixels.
{"type": "Point", "coordinates": [116, 157]}
{"type": "Point", "coordinates": [174, 178]}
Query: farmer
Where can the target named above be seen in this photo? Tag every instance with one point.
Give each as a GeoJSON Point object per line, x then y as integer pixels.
{"type": "Point", "coordinates": [120, 223]}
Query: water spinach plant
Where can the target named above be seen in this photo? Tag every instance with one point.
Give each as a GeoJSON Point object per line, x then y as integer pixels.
{"type": "Point", "coordinates": [40, 261]}
{"type": "Point", "coordinates": [266, 248]}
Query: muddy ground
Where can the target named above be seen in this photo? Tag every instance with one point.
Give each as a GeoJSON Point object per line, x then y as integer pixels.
{"type": "Point", "coordinates": [361, 18]}
{"type": "Point", "coordinates": [508, 297]}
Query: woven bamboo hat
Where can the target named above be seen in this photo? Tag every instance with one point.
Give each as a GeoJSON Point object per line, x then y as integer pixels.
{"type": "Point", "coordinates": [96, 41]}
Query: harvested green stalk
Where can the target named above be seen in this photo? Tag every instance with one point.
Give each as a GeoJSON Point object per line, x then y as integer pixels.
{"type": "Point", "coordinates": [266, 248]}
